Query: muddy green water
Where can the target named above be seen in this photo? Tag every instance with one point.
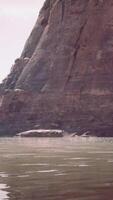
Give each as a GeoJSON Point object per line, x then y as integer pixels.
{"type": "Point", "coordinates": [56, 169]}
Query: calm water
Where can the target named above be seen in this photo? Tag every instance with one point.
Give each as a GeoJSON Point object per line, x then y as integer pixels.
{"type": "Point", "coordinates": [56, 169]}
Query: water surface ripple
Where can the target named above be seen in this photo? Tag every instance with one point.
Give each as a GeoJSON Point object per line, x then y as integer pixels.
{"type": "Point", "coordinates": [56, 169]}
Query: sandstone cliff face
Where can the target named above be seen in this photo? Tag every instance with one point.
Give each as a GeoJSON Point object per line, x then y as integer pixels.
{"type": "Point", "coordinates": [64, 77]}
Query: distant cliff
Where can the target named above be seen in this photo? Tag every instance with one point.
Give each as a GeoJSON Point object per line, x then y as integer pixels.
{"type": "Point", "coordinates": [64, 76]}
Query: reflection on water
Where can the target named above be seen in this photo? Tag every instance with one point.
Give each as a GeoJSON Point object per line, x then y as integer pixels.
{"type": "Point", "coordinates": [3, 193]}
{"type": "Point", "coordinates": [56, 169]}
{"type": "Point", "coordinates": [3, 175]}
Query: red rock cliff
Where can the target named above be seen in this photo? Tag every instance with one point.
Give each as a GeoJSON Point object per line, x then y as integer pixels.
{"type": "Point", "coordinates": [64, 77]}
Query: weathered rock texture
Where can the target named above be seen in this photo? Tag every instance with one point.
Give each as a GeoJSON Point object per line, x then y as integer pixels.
{"type": "Point", "coordinates": [64, 77]}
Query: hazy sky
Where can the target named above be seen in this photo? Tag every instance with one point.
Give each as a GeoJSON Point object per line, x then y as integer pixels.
{"type": "Point", "coordinates": [17, 18]}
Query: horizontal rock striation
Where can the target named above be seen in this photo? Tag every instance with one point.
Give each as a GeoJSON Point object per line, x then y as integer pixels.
{"type": "Point", "coordinates": [64, 77]}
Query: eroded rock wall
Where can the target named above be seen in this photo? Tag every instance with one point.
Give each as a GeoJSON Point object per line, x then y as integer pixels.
{"type": "Point", "coordinates": [68, 75]}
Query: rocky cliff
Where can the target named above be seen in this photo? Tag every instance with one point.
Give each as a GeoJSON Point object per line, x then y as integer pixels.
{"type": "Point", "coordinates": [64, 77]}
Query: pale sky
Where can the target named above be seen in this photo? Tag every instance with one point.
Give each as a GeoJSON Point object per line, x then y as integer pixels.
{"type": "Point", "coordinates": [17, 18]}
